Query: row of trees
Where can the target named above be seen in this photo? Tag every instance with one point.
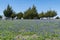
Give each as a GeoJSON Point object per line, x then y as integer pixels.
{"type": "Point", "coordinates": [30, 13]}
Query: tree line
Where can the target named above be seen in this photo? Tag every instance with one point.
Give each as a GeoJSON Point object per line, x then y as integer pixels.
{"type": "Point", "coordinates": [30, 13]}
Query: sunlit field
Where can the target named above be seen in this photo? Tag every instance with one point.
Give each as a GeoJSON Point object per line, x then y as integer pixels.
{"type": "Point", "coordinates": [30, 29]}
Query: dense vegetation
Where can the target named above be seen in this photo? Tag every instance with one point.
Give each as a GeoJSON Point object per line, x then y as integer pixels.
{"type": "Point", "coordinates": [30, 13]}
{"type": "Point", "coordinates": [30, 29]}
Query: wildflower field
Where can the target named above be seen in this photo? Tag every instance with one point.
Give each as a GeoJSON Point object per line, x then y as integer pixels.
{"type": "Point", "coordinates": [30, 29]}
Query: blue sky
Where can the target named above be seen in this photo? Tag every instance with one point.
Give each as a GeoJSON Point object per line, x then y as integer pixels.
{"type": "Point", "coordinates": [22, 5]}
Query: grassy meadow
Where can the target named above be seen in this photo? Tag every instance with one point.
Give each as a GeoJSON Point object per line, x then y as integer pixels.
{"type": "Point", "coordinates": [30, 29]}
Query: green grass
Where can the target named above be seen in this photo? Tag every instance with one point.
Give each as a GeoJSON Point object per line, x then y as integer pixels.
{"type": "Point", "coordinates": [44, 29]}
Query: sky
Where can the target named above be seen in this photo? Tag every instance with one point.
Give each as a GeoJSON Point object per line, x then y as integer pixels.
{"type": "Point", "coordinates": [22, 5]}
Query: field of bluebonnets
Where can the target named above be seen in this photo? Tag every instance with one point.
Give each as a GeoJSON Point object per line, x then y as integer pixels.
{"type": "Point", "coordinates": [30, 29]}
